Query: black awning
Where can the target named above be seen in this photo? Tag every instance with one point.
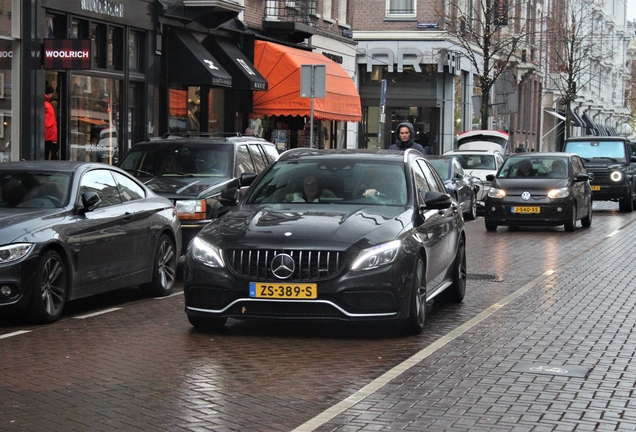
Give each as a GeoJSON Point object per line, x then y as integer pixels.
{"type": "Point", "coordinates": [190, 63]}
{"type": "Point", "coordinates": [612, 131]}
{"type": "Point", "coordinates": [244, 73]}
{"type": "Point", "coordinates": [590, 126]}
{"type": "Point", "coordinates": [575, 120]}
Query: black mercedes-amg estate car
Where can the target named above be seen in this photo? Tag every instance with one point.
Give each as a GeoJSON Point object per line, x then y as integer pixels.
{"type": "Point", "coordinates": [330, 234]}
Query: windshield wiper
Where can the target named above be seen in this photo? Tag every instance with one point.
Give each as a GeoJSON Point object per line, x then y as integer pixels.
{"type": "Point", "coordinates": [138, 171]}
{"type": "Point", "coordinates": [606, 157]}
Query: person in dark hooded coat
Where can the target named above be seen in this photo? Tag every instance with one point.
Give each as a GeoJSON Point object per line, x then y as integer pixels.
{"type": "Point", "coordinates": [404, 135]}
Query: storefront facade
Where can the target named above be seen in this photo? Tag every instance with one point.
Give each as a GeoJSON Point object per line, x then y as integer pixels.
{"type": "Point", "coordinates": [428, 85]}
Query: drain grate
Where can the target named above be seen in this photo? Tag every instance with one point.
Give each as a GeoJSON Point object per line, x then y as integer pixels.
{"type": "Point", "coordinates": [485, 277]}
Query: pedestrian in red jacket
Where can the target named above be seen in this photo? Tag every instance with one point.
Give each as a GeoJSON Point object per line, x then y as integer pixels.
{"type": "Point", "coordinates": [51, 150]}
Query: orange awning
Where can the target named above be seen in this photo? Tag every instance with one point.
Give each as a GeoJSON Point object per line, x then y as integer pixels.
{"type": "Point", "coordinates": [280, 65]}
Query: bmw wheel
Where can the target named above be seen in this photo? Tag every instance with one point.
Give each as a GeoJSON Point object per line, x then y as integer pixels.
{"type": "Point", "coordinates": [50, 290]}
{"type": "Point", "coordinates": [164, 273]}
{"type": "Point", "coordinates": [417, 309]}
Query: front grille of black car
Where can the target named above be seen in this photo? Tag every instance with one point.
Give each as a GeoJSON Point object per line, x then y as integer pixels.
{"type": "Point", "coordinates": [601, 176]}
{"type": "Point", "coordinates": [310, 266]}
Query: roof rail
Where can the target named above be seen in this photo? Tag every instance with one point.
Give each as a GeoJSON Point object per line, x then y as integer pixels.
{"type": "Point", "coordinates": [169, 135]}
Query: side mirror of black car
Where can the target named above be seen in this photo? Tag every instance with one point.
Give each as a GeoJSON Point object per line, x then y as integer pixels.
{"type": "Point", "coordinates": [581, 177]}
{"type": "Point", "coordinates": [90, 201]}
{"type": "Point", "coordinates": [248, 178]}
{"type": "Point", "coordinates": [437, 201]}
{"type": "Point", "coordinates": [229, 197]}
{"type": "Point", "coordinates": [490, 177]}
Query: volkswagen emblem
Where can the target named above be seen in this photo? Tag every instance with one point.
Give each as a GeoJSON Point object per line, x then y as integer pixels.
{"type": "Point", "coordinates": [525, 196]}
{"type": "Point", "coordinates": [283, 266]}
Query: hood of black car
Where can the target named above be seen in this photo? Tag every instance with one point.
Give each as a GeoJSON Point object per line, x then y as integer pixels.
{"type": "Point", "coordinates": [303, 226]}
{"type": "Point", "coordinates": [534, 186]}
{"type": "Point", "coordinates": [16, 224]}
{"type": "Point", "coordinates": [184, 186]}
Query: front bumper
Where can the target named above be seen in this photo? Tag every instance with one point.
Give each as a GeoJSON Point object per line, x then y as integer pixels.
{"type": "Point", "coordinates": [20, 278]}
{"type": "Point", "coordinates": [609, 192]}
{"type": "Point", "coordinates": [552, 212]}
{"type": "Point", "coordinates": [379, 294]}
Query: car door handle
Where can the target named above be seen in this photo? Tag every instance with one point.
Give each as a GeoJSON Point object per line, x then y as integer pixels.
{"type": "Point", "coordinates": [128, 215]}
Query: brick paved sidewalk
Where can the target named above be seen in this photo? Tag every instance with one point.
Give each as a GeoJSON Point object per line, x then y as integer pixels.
{"type": "Point", "coordinates": [581, 315]}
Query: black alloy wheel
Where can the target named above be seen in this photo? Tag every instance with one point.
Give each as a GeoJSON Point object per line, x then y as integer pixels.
{"type": "Point", "coordinates": [490, 226]}
{"type": "Point", "coordinates": [51, 287]}
{"type": "Point", "coordinates": [587, 220]}
{"type": "Point", "coordinates": [472, 213]}
{"type": "Point", "coordinates": [570, 224]}
{"type": "Point", "coordinates": [164, 273]}
{"type": "Point", "coordinates": [457, 290]}
{"type": "Point", "coordinates": [417, 309]}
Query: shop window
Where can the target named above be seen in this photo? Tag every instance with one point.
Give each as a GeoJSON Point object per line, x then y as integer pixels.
{"type": "Point", "coordinates": [108, 46]}
{"type": "Point", "coordinates": [136, 48]}
{"type": "Point", "coordinates": [400, 9]}
{"type": "Point", "coordinates": [94, 122]}
{"type": "Point", "coordinates": [115, 48]}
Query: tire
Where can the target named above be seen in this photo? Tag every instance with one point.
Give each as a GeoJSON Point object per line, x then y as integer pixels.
{"type": "Point", "coordinates": [626, 204]}
{"type": "Point", "coordinates": [417, 304]}
{"type": "Point", "coordinates": [164, 272]}
{"type": "Point", "coordinates": [570, 224]}
{"type": "Point", "coordinates": [490, 226]}
{"type": "Point", "coordinates": [50, 290]}
{"type": "Point", "coordinates": [472, 213]}
{"type": "Point", "coordinates": [207, 324]}
{"type": "Point", "coordinates": [587, 220]}
{"type": "Point", "coordinates": [457, 290]}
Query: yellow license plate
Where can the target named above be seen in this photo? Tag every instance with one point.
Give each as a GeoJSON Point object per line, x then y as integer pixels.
{"type": "Point", "coordinates": [596, 188]}
{"type": "Point", "coordinates": [283, 291]}
{"type": "Point", "coordinates": [526, 209]}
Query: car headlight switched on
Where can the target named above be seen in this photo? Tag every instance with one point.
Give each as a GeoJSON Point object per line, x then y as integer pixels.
{"type": "Point", "coordinates": [206, 253]}
{"type": "Point", "coordinates": [191, 209]}
{"type": "Point", "coordinates": [14, 252]}
{"type": "Point", "coordinates": [493, 192]}
{"type": "Point", "coordinates": [559, 193]}
{"type": "Point", "coordinates": [377, 256]}
{"type": "Point", "coordinates": [616, 176]}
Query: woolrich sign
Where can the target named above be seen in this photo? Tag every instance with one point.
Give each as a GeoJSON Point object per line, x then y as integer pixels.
{"type": "Point", "coordinates": [104, 7]}
{"type": "Point", "coordinates": [66, 54]}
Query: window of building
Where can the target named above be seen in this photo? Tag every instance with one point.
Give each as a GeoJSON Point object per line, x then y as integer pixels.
{"type": "Point", "coordinates": [342, 11]}
{"type": "Point", "coordinates": [326, 9]}
{"type": "Point", "coordinates": [136, 47]}
{"type": "Point", "coordinates": [400, 8]}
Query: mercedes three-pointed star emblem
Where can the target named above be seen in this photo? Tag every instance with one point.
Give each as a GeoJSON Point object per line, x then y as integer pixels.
{"type": "Point", "coordinates": [283, 266]}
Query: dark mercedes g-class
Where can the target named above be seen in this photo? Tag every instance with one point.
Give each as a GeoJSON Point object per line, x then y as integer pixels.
{"type": "Point", "coordinates": [610, 160]}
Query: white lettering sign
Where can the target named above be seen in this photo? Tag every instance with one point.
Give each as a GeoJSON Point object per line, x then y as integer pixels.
{"type": "Point", "coordinates": [104, 7]}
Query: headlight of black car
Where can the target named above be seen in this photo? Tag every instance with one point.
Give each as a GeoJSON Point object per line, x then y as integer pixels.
{"type": "Point", "coordinates": [377, 256]}
{"type": "Point", "coordinates": [14, 252]}
{"type": "Point", "coordinates": [206, 253]}
{"type": "Point", "coordinates": [616, 176]}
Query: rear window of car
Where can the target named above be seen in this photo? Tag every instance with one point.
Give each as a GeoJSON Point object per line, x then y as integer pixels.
{"type": "Point", "coordinates": [176, 159]}
{"type": "Point", "coordinates": [477, 161]}
{"type": "Point", "coordinates": [28, 189]}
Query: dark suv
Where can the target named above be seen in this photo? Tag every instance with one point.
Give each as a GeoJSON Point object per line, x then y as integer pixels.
{"type": "Point", "coordinates": [609, 159]}
{"type": "Point", "coordinates": [192, 171]}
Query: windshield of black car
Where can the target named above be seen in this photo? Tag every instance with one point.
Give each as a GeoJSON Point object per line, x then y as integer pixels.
{"type": "Point", "coordinates": [613, 150]}
{"type": "Point", "coordinates": [214, 161]}
{"type": "Point", "coordinates": [477, 161]}
{"type": "Point", "coordinates": [333, 181]}
{"type": "Point", "coordinates": [442, 166]}
{"type": "Point", "coordinates": [534, 167]}
{"type": "Point", "coordinates": [34, 189]}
